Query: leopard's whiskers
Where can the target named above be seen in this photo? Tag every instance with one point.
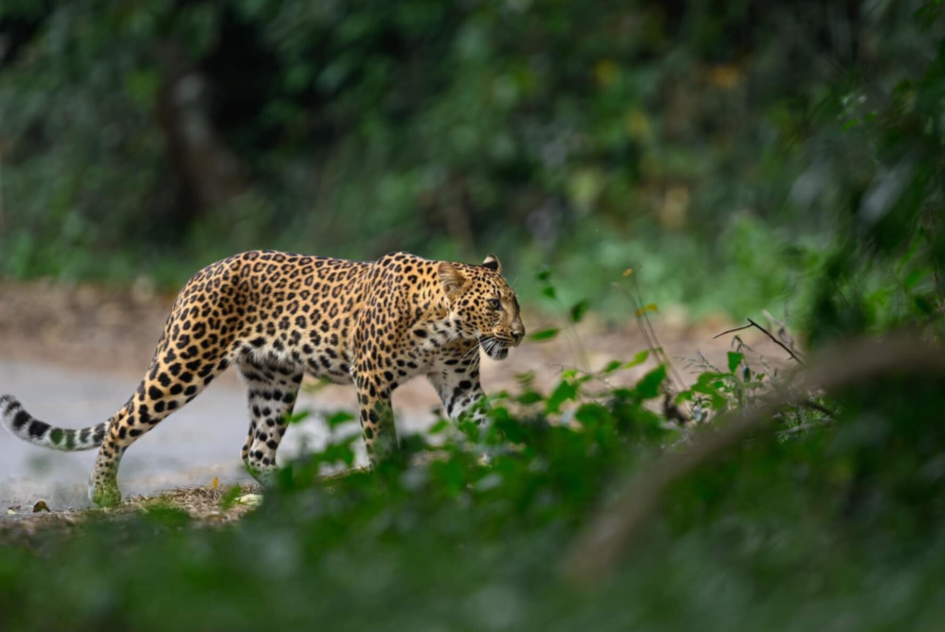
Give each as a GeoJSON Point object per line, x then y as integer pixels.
{"type": "Point", "coordinates": [473, 348]}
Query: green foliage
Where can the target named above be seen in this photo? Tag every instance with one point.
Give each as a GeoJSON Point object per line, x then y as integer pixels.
{"type": "Point", "coordinates": [650, 386]}
{"type": "Point", "coordinates": [579, 309]}
{"type": "Point", "coordinates": [585, 127]}
{"type": "Point", "coordinates": [632, 135]}
{"type": "Point", "coordinates": [787, 530]}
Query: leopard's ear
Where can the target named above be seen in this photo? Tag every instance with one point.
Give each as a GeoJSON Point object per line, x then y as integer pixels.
{"type": "Point", "coordinates": [492, 262]}
{"type": "Point", "coordinates": [451, 279]}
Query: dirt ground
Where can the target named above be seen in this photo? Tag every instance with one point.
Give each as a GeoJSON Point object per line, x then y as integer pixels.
{"type": "Point", "coordinates": [206, 506]}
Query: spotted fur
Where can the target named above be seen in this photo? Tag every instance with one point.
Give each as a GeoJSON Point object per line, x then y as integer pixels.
{"type": "Point", "coordinates": [280, 316]}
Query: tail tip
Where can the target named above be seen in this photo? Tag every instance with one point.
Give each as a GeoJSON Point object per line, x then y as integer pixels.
{"type": "Point", "coordinates": [8, 404]}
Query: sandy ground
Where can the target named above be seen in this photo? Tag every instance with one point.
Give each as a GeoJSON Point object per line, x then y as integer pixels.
{"type": "Point", "coordinates": [73, 355]}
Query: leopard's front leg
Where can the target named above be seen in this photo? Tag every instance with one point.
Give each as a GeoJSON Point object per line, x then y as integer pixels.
{"type": "Point", "coordinates": [459, 389]}
{"type": "Point", "coordinates": [462, 396]}
{"type": "Point", "coordinates": [377, 417]}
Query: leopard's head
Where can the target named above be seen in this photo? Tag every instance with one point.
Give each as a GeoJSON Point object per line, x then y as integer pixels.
{"type": "Point", "coordinates": [482, 306]}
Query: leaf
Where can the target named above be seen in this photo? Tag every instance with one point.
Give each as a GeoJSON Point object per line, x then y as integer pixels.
{"type": "Point", "coordinates": [339, 418]}
{"type": "Point", "coordinates": [468, 427]}
{"type": "Point", "coordinates": [615, 365]}
{"type": "Point", "coordinates": [718, 402]}
{"type": "Point", "coordinates": [924, 305]}
{"type": "Point", "coordinates": [165, 514]}
{"type": "Point", "coordinates": [544, 274]}
{"type": "Point", "coordinates": [297, 417]}
{"type": "Point", "coordinates": [627, 273]}
{"type": "Point", "coordinates": [216, 483]}
{"type": "Point", "coordinates": [10, 512]}
{"type": "Point", "coordinates": [648, 308]}
{"type": "Point", "coordinates": [593, 414]}
{"type": "Point", "coordinates": [734, 359]}
{"type": "Point", "coordinates": [439, 427]}
{"type": "Point", "coordinates": [612, 366]}
{"type": "Point", "coordinates": [340, 451]}
{"type": "Point", "coordinates": [622, 393]}
{"type": "Point", "coordinates": [913, 279]}
{"type": "Point", "coordinates": [638, 359]}
{"type": "Point", "coordinates": [578, 310]}
{"type": "Point", "coordinates": [906, 258]}
{"type": "Point", "coordinates": [566, 390]}
{"type": "Point", "coordinates": [544, 334]}
{"type": "Point", "coordinates": [529, 397]}
{"type": "Point", "coordinates": [230, 496]}
{"type": "Point", "coordinates": [525, 378]}
{"type": "Point", "coordinates": [41, 506]}
{"type": "Point", "coordinates": [706, 384]}
{"type": "Point", "coordinates": [549, 291]}
{"type": "Point", "coordinates": [709, 376]}
{"type": "Point", "coordinates": [649, 386]}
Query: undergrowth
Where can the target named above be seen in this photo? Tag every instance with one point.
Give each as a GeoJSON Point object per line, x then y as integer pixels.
{"type": "Point", "coordinates": [829, 517]}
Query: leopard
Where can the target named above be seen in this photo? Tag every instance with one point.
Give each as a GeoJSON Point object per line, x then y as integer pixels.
{"type": "Point", "coordinates": [278, 317]}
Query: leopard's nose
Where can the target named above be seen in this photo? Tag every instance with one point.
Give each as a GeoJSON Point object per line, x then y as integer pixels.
{"type": "Point", "coordinates": [517, 335]}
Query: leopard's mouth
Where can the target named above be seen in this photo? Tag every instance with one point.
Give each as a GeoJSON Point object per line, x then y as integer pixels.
{"type": "Point", "coordinates": [495, 348]}
{"type": "Point", "coordinates": [500, 353]}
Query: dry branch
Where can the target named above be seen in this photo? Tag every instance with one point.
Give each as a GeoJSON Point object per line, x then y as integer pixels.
{"type": "Point", "coordinates": [605, 540]}
{"type": "Point", "coordinates": [751, 324]}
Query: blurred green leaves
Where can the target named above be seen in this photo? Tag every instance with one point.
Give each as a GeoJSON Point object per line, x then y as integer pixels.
{"type": "Point", "coordinates": [649, 386]}
{"type": "Point", "coordinates": [579, 309]}
{"type": "Point", "coordinates": [544, 132]}
{"type": "Point", "coordinates": [712, 150]}
{"type": "Point", "coordinates": [734, 359]}
{"type": "Point", "coordinates": [544, 334]}
{"type": "Point", "coordinates": [445, 531]}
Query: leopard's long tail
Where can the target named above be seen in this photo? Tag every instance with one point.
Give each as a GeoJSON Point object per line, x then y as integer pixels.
{"type": "Point", "coordinates": [26, 427]}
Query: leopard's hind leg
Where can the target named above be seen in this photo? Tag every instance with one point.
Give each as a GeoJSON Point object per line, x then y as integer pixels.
{"type": "Point", "coordinates": [272, 390]}
{"type": "Point", "coordinates": [175, 378]}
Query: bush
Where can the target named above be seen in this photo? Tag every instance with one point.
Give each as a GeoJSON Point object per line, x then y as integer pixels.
{"type": "Point", "coordinates": [827, 514]}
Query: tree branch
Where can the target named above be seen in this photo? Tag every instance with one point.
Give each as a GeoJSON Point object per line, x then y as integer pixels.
{"type": "Point", "coordinates": [767, 333]}
{"type": "Point", "coordinates": [731, 331]}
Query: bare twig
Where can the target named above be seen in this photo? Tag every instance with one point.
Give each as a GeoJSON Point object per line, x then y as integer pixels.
{"type": "Point", "coordinates": [777, 342]}
{"type": "Point", "coordinates": [578, 348]}
{"type": "Point", "coordinates": [652, 340]}
{"type": "Point", "coordinates": [783, 334]}
{"type": "Point", "coordinates": [767, 333]}
{"type": "Point", "coordinates": [731, 331]}
{"type": "Point", "coordinates": [679, 384]}
{"type": "Point", "coordinates": [603, 542]}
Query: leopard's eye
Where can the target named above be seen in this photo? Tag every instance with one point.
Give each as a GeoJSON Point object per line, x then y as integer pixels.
{"type": "Point", "coordinates": [494, 303]}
